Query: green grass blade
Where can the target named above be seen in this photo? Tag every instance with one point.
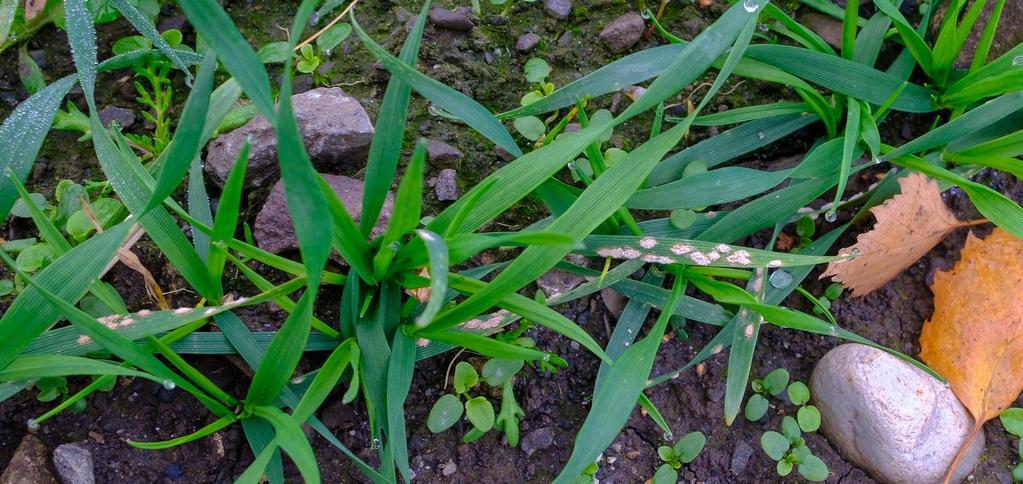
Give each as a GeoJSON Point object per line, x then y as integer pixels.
{"type": "Point", "coordinates": [400, 367]}
{"type": "Point", "coordinates": [438, 276]}
{"type": "Point", "coordinates": [615, 398]}
{"type": "Point", "coordinates": [448, 99]}
{"type": "Point", "coordinates": [226, 220]}
{"type": "Point", "coordinates": [326, 379]}
{"type": "Point", "coordinates": [69, 277]}
{"type": "Point", "coordinates": [22, 134]}
{"type": "Point", "coordinates": [290, 438]}
{"type": "Point", "coordinates": [282, 356]}
{"type": "Point", "coordinates": [407, 210]}
{"type": "Point", "coordinates": [385, 148]}
{"type": "Point", "coordinates": [81, 36]}
{"type": "Point", "coordinates": [45, 366]}
{"type": "Point", "coordinates": [199, 208]}
{"type": "Point", "coordinates": [217, 29]}
{"type": "Point", "coordinates": [851, 138]}
{"type": "Point", "coordinates": [215, 426]}
{"type": "Point", "coordinates": [845, 77]}
{"type": "Point", "coordinates": [629, 325]}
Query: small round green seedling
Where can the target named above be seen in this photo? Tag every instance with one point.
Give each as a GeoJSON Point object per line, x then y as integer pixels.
{"type": "Point", "coordinates": [497, 371]}
{"type": "Point", "coordinates": [756, 407]}
{"type": "Point", "coordinates": [813, 469]}
{"type": "Point", "coordinates": [444, 413]}
{"type": "Point", "coordinates": [465, 377]}
{"type": "Point", "coordinates": [775, 445]}
{"type": "Point", "coordinates": [809, 418]}
{"type": "Point", "coordinates": [799, 394]}
{"type": "Point", "coordinates": [833, 291]}
{"type": "Point", "coordinates": [480, 413]}
{"type": "Point", "coordinates": [775, 381]}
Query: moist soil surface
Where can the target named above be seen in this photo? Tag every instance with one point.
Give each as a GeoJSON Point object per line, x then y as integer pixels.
{"type": "Point", "coordinates": [484, 64]}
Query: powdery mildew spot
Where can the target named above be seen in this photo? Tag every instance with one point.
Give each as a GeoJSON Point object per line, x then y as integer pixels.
{"type": "Point", "coordinates": [713, 256]}
{"type": "Point", "coordinates": [84, 340]}
{"type": "Point", "coordinates": [774, 263]}
{"type": "Point", "coordinates": [699, 258]}
{"type": "Point", "coordinates": [618, 252]}
{"type": "Point", "coordinates": [739, 257]}
{"type": "Point", "coordinates": [144, 313]}
{"type": "Point", "coordinates": [682, 249]}
{"type": "Point", "coordinates": [182, 310]}
{"type": "Point", "coordinates": [658, 259]}
{"type": "Point", "coordinates": [722, 248]}
{"type": "Point", "coordinates": [647, 242]}
{"type": "Point", "coordinates": [748, 331]}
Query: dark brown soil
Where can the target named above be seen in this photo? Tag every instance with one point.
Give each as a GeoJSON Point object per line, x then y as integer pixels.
{"type": "Point", "coordinates": [554, 403]}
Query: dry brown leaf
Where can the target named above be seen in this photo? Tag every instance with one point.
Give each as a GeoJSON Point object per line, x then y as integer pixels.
{"type": "Point", "coordinates": [975, 337]}
{"type": "Point", "coordinates": [908, 225]}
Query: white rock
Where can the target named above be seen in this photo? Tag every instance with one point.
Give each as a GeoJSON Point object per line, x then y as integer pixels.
{"type": "Point", "coordinates": [890, 418]}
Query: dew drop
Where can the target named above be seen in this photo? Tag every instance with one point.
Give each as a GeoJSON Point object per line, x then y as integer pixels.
{"type": "Point", "coordinates": [668, 436]}
{"type": "Point", "coordinates": [780, 279]}
{"type": "Point", "coordinates": [762, 27]}
{"type": "Point", "coordinates": [751, 5]}
{"type": "Point", "coordinates": [571, 166]}
{"type": "Point", "coordinates": [830, 216]}
{"type": "Point", "coordinates": [856, 252]}
{"type": "Point", "coordinates": [645, 14]}
{"type": "Point", "coordinates": [433, 110]}
{"type": "Point", "coordinates": [169, 384]}
{"type": "Point", "coordinates": [876, 159]}
{"type": "Point", "coordinates": [32, 424]}
{"type": "Point", "coordinates": [761, 135]}
{"type": "Point", "coordinates": [375, 444]}
{"type": "Point", "coordinates": [1017, 61]}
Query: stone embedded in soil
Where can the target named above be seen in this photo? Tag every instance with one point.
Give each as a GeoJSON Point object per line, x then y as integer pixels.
{"type": "Point", "coordinates": [536, 440]}
{"type": "Point", "coordinates": [740, 458]}
{"type": "Point", "coordinates": [613, 301]}
{"type": "Point", "coordinates": [446, 186]}
{"type": "Point", "coordinates": [446, 19]}
{"type": "Point", "coordinates": [559, 9]}
{"type": "Point", "coordinates": [890, 418]}
{"type": "Point", "coordinates": [623, 32]}
{"type": "Point", "coordinates": [526, 42]}
{"type": "Point", "coordinates": [274, 232]}
{"type": "Point", "coordinates": [73, 464]}
{"type": "Point", "coordinates": [556, 283]}
{"type": "Point", "coordinates": [28, 464]}
{"type": "Point", "coordinates": [442, 154]}
{"type": "Point", "coordinates": [124, 117]}
{"type": "Point", "coordinates": [335, 129]}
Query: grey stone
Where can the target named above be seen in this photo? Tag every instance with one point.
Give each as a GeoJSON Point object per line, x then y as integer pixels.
{"type": "Point", "coordinates": [28, 464]}
{"type": "Point", "coordinates": [274, 231]}
{"type": "Point", "coordinates": [449, 468]}
{"type": "Point", "coordinates": [538, 439]}
{"type": "Point", "coordinates": [527, 42]}
{"type": "Point", "coordinates": [559, 9]}
{"type": "Point", "coordinates": [890, 418]}
{"type": "Point", "coordinates": [73, 464]}
{"type": "Point", "coordinates": [447, 185]}
{"type": "Point", "coordinates": [440, 153]}
{"type": "Point", "coordinates": [623, 32]}
{"type": "Point", "coordinates": [740, 458]}
{"type": "Point", "coordinates": [446, 19]}
{"type": "Point", "coordinates": [335, 129]}
{"type": "Point", "coordinates": [124, 117]}
{"type": "Point", "coordinates": [829, 28]}
{"type": "Point", "coordinates": [556, 283]}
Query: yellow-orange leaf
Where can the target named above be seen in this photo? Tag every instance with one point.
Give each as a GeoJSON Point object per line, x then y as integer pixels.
{"type": "Point", "coordinates": [908, 225]}
{"type": "Point", "coordinates": [975, 337]}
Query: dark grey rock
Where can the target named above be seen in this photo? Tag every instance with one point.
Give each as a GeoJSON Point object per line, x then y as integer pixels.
{"type": "Point", "coordinates": [448, 20]}
{"type": "Point", "coordinates": [890, 418]}
{"type": "Point", "coordinates": [73, 464]}
{"type": "Point", "coordinates": [527, 42]}
{"type": "Point", "coordinates": [447, 185]}
{"type": "Point", "coordinates": [335, 129]}
{"type": "Point", "coordinates": [274, 231]}
{"type": "Point", "coordinates": [740, 458]}
{"type": "Point", "coordinates": [440, 153]}
{"type": "Point", "coordinates": [565, 39]}
{"type": "Point", "coordinates": [613, 301]}
{"type": "Point", "coordinates": [538, 439]}
{"type": "Point", "coordinates": [124, 117]}
{"type": "Point", "coordinates": [559, 9]}
{"type": "Point", "coordinates": [28, 464]}
{"type": "Point", "coordinates": [623, 32]}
